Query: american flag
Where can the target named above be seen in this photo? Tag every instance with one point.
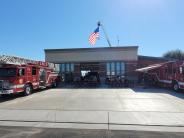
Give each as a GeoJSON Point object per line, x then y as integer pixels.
{"type": "Point", "coordinates": [94, 36]}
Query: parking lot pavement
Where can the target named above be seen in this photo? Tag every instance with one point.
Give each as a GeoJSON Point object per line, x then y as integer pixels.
{"type": "Point", "coordinates": [95, 108]}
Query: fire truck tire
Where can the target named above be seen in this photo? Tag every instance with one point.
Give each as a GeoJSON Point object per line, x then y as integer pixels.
{"type": "Point", "coordinates": [176, 87]}
{"type": "Point", "coordinates": [27, 90]}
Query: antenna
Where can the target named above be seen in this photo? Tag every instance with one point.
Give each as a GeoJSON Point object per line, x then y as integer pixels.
{"type": "Point", "coordinates": [105, 33]}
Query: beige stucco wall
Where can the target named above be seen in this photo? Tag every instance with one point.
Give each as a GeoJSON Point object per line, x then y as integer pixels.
{"type": "Point", "coordinates": [59, 56]}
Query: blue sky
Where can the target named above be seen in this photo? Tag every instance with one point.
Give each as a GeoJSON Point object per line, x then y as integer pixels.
{"type": "Point", "coordinates": [29, 26]}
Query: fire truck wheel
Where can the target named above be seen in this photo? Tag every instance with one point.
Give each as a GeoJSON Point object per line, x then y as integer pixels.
{"type": "Point", "coordinates": [27, 90]}
{"type": "Point", "coordinates": [176, 87]}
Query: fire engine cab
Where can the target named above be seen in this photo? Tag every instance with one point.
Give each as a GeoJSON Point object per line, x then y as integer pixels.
{"type": "Point", "coordinates": [168, 74]}
{"type": "Point", "coordinates": [21, 75]}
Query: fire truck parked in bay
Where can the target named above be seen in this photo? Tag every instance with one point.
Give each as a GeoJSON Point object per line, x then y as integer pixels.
{"type": "Point", "coordinates": [20, 75]}
{"type": "Point", "coordinates": [168, 74]}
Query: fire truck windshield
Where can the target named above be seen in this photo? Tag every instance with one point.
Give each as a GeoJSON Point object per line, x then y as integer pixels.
{"type": "Point", "coordinates": [7, 72]}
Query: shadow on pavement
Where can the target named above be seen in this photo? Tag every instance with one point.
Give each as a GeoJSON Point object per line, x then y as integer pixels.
{"type": "Point", "coordinates": [179, 94]}
{"type": "Point", "coordinates": [99, 86]}
{"type": "Point", "coordinates": [17, 132]}
{"type": "Point", "coordinates": [5, 98]}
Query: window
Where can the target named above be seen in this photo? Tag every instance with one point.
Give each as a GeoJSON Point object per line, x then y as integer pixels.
{"type": "Point", "coordinates": [66, 67]}
{"type": "Point", "coordinates": [7, 72]}
{"type": "Point", "coordinates": [21, 72]}
{"type": "Point", "coordinates": [115, 68]}
{"type": "Point", "coordinates": [118, 68]}
{"type": "Point", "coordinates": [33, 70]}
{"type": "Point", "coordinates": [112, 68]}
{"type": "Point", "coordinates": [108, 68]}
{"type": "Point", "coordinates": [62, 67]}
{"type": "Point", "coordinates": [72, 67]}
{"type": "Point", "coordinates": [122, 68]}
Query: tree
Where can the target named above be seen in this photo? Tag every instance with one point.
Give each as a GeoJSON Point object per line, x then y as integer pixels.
{"type": "Point", "coordinates": [174, 54]}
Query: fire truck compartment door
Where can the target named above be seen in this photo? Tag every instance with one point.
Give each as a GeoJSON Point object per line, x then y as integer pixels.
{"type": "Point", "coordinates": [42, 77]}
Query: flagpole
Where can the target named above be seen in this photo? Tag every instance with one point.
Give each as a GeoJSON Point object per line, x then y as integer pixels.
{"type": "Point", "coordinates": [118, 39]}
{"type": "Point", "coordinates": [105, 33]}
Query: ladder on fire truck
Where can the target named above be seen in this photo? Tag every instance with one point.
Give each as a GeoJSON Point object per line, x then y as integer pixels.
{"type": "Point", "coordinates": [4, 59]}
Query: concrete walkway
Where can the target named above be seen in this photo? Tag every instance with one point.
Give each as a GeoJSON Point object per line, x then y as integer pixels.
{"type": "Point", "coordinates": [97, 118]}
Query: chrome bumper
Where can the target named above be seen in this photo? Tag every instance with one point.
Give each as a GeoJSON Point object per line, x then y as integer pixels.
{"type": "Point", "coordinates": [6, 91]}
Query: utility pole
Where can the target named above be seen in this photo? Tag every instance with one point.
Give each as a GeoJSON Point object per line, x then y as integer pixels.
{"type": "Point", "coordinates": [105, 33]}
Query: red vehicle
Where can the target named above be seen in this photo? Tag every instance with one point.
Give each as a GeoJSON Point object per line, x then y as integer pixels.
{"type": "Point", "coordinates": [168, 74]}
{"type": "Point", "coordinates": [25, 78]}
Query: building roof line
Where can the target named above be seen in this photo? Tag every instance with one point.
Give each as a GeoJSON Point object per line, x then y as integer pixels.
{"type": "Point", "coordinates": [155, 58]}
{"type": "Point", "coordinates": [92, 49]}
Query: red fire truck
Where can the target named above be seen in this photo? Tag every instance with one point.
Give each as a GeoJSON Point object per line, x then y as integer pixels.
{"type": "Point", "coordinates": [20, 75]}
{"type": "Point", "coordinates": [168, 74]}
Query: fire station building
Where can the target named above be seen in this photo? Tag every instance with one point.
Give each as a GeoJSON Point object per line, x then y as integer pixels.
{"type": "Point", "coordinates": [106, 61]}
